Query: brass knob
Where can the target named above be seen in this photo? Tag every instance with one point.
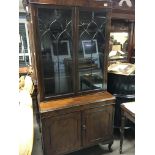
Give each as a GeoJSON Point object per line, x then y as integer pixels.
{"type": "Point", "coordinates": [84, 127]}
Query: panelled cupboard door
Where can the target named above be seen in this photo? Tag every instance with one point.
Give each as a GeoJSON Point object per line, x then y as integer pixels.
{"type": "Point", "coordinates": [97, 124]}
{"type": "Point", "coordinates": [62, 133]}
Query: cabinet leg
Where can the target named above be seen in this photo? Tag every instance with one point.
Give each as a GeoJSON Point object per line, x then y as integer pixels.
{"type": "Point", "coordinates": [109, 147]}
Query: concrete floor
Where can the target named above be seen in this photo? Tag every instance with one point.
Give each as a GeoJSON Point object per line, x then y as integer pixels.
{"type": "Point", "coordinates": [128, 144]}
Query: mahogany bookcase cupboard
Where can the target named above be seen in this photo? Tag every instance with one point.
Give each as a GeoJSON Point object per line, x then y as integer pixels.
{"type": "Point", "coordinates": [69, 43]}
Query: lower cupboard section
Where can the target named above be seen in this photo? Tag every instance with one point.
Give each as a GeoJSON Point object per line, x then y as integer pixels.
{"type": "Point", "coordinates": [75, 130]}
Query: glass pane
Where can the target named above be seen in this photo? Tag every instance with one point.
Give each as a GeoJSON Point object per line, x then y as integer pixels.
{"type": "Point", "coordinates": [55, 27]}
{"type": "Point", "coordinates": [91, 49]}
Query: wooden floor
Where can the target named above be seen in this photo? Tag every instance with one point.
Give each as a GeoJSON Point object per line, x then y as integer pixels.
{"type": "Point", "coordinates": [128, 144]}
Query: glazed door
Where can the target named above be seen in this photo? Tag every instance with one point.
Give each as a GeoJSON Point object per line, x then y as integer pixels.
{"type": "Point", "coordinates": [91, 56]}
{"type": "Point", "coordinates": [72, 45]}
{"type": "Point", "coordinates": [97, 124]}
{"type": "Point", "coordinates": [55, 37]}
{"type": "Point", "coordinates": [62, 133]}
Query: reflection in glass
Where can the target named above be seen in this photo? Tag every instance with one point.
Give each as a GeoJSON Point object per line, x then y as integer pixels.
{"type": "Point", "coordinates": [55, 27]}
{"type": "Point", "coordinates": [118, 46]}
{"type": "Point", "coordinates": [91, 49]}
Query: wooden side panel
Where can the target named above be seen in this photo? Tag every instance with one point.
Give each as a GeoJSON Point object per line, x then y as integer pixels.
{"type": "Point", "coordinates": [32, 46]}
{"type": "Point", "coordinates": [131, 43]}
{"type": "Point", "coordinates": [62, 134]}
{"type": "Point", "coordinates": [97, 124]}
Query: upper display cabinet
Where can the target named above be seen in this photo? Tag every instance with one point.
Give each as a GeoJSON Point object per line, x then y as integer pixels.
{"type": "Point", "coordinates": [70, 46]}
{"type": "Point", "coordinates": [121, 44]}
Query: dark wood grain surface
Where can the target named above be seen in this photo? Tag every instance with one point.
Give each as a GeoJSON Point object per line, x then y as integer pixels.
{"type": "Point", "coordinates": [83, 121]}
{"type": "Point", "coordinates": [75, 101]}
{"type": "Point", "coordinates": [97, 124]}
{"type": "Point", "coordinates": [62, 134]}
{"type": "Point", "coordinates": [85, 3]}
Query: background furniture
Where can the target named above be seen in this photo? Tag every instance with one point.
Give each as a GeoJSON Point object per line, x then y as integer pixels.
{"type": "Point", "coordinates": [123, 21]}
{"type": "Point", "coordinates": [123, 88]}
{"type": "Point", "coordinates": [128, 112]}
{"type": "Point", "coordinates": [26, 127]}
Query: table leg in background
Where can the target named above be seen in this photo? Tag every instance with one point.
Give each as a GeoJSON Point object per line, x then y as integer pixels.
{"type": "Point", "coordinates": [122, 132]}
